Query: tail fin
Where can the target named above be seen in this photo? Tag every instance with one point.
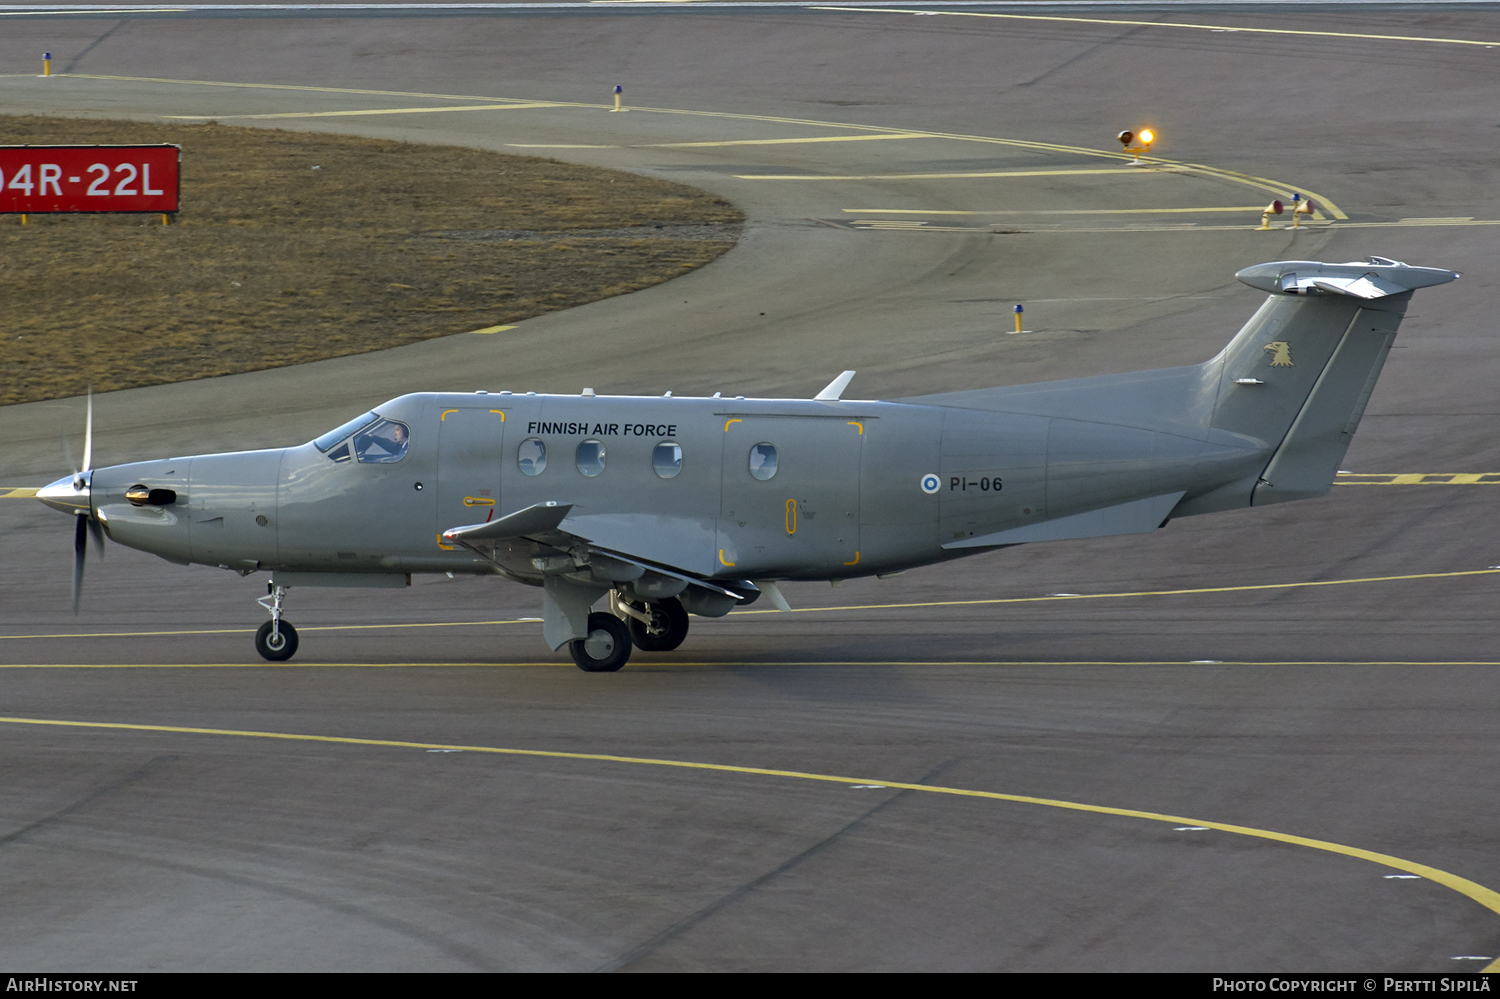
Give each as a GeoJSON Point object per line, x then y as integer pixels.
{"type": "Point", "coordinates": [1298, 375]}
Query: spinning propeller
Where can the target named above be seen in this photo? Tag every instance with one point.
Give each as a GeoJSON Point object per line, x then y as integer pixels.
{"type": "Point", "coordinates": [72, 495]}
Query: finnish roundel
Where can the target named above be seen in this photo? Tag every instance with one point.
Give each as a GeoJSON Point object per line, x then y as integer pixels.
{"type": "Point", "coordinates": [930, 483]}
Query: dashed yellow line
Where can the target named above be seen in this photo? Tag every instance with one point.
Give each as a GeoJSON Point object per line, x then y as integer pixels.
{"type": "Point", "coordinates": [1418, 479]}
{"type": "Point", "coordinates": [1227, 29]}
{"type": "Point", "coordinates": [1486, 897]}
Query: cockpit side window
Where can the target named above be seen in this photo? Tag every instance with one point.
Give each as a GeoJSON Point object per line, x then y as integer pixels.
{"type": "Point", "coordinates": [337, 434]}
{"type": "Point", "coordinates": [382, 443]}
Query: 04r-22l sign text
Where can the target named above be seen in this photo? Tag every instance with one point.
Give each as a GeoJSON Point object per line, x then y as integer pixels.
{"type": "Point", "coordinates": [43, 179]}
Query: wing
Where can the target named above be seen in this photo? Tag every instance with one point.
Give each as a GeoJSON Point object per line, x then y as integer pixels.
{"type": "Point", "coordinates": [530, 545]}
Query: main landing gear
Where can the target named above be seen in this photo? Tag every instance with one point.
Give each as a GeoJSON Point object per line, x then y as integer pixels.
{"type": "Point", "coordinates": [657, 626]}
{"type": "Point", "coordinates": [277, 639]}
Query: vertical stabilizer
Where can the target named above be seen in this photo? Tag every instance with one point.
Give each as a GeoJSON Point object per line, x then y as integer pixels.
{"type": "Point", "coordinates": [1298, 375]}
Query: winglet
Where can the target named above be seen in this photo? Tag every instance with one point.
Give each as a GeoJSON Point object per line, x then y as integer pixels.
{"type": "Point", "coordinates": [835, 388]}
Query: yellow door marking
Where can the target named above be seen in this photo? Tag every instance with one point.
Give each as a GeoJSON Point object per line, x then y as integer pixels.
{"type": "Point", "coordinates": [1051, 211]}
{"type": "Point", "coordinates": [477, 501]}
{"type": "Point", "coordinates": [781, 142]}
{"type": "Point", "coordinates": [501, 412]}
{"type": "Point", "coordinates": [861, 426]}
{"type": "Point", "coordinates": [17, 493]}
{"type": "Point", "coordinates": [723, 560]}
{"type": "Point", "coordinates": [1486, 897]}
{"type": "Point", "coordinates": [1227, 29]}
{"type": "Point", "coordinates": [1418, 479]}
{"type": "Point", "coordinates": [445, 414]}
{"type": "Point", "coordinates": [728, 422]}
{"type": "Point", "coordinates": [1232, 176]}
{"type": "Point", "coordinates": [958, 175]}
{"type": "Point", "coordinates": [791, 516]}
{"type": "Point", "coordinates": [493, 329]}
{"type": "Point", "coordinates": [370, 111]}
{"type": "Point", "coordinates": [856, 560]}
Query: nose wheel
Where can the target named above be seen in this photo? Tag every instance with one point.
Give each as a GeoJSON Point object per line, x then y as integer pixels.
{"type": "Point", "coordinates": [276, 640]}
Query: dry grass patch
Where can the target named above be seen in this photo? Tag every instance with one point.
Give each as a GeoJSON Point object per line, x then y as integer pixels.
{"type": "Point", "coordinates": [274, 262]}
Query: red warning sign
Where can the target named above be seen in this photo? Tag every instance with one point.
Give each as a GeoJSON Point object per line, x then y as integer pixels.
{"type": "Point", "coordinates": [42, 179]}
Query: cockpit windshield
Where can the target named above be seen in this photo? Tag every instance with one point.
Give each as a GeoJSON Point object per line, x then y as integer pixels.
{"type": "Point", "coordinates": [383, 443]}
{"type": "Point", "coordinates": [337, 434]}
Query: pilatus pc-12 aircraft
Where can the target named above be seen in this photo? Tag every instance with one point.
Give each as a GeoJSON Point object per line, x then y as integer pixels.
{"type": "Point", "coordinates": [677, 506]}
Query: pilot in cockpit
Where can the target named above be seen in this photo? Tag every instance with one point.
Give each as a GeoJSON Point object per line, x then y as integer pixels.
{"type": "Point", "coordinates": [385, 442]}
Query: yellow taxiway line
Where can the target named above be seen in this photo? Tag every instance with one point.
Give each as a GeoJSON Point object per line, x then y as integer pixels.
{"type": "Point", "coordinates": [1486, 897]}
{"type": "Point", "coordinates": [371, 111]}
{"type": "Point", "coordinates": [954, 175]}
{"type": "Point", "coordinates": [1054, 211]}
{"type": "Point", "coordinates": [982, 602]}
{"type": "Point", "coordinates": [260, 664]}
{"type": "Point", "coordinates": [1227, 29]}
{"type": "Point", "coordinates": [1250, 180]}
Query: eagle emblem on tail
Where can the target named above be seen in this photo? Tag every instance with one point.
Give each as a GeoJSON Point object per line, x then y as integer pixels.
{"type": "Point", "coordinates": [1281, 352]}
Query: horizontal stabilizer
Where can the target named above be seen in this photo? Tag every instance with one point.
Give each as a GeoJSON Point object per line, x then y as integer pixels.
{"type": "Point", "coordinates": [1377, 277]}
{"type": "Point", "coordinates": [1140, 516]}
{"type": "Point", "coordinates": [541, 518]}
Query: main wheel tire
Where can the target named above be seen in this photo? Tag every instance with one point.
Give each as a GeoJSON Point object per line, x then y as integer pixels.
{"type": "Point", "coordinates": [669, 626]}
{"type": "Point", "coordinates": [605, 649]}
{"type": "Point", "coordinates": [280, 648]}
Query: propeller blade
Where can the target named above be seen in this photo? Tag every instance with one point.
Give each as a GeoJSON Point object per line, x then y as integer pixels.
{"type": "Point", "coordinates": [80, 552]}
{"type": "Point", "coordinates": [88, 434]}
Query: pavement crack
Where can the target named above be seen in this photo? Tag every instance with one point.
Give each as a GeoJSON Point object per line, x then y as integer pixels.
{"type": "Point", "coordinates": [687, 923]}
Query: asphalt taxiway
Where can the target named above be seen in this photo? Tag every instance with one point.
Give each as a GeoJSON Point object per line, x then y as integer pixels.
{"type": "Point", "coordinates": [888, 772]}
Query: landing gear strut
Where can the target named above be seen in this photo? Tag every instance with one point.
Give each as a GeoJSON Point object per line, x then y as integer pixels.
{"type": "Point", "coordinates": [277, 639]}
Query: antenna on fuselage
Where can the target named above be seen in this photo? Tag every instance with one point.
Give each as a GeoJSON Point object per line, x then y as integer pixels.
{"type": "Point", "coordinates": [835, 388]}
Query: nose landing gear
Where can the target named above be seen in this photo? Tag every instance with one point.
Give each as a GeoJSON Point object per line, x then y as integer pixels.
{"type": "Point", "coordinates": [277, 639]}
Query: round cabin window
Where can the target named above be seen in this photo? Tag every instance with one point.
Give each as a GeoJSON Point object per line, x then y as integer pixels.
{"type": "Point", "coordinates": [591, 457]}
{"type": "Point", "coordinates": [763, 461]}
{"type": "Point", "coordinates": [532, 456]}
{"type": "Point", "coordinates": [666, 459]}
